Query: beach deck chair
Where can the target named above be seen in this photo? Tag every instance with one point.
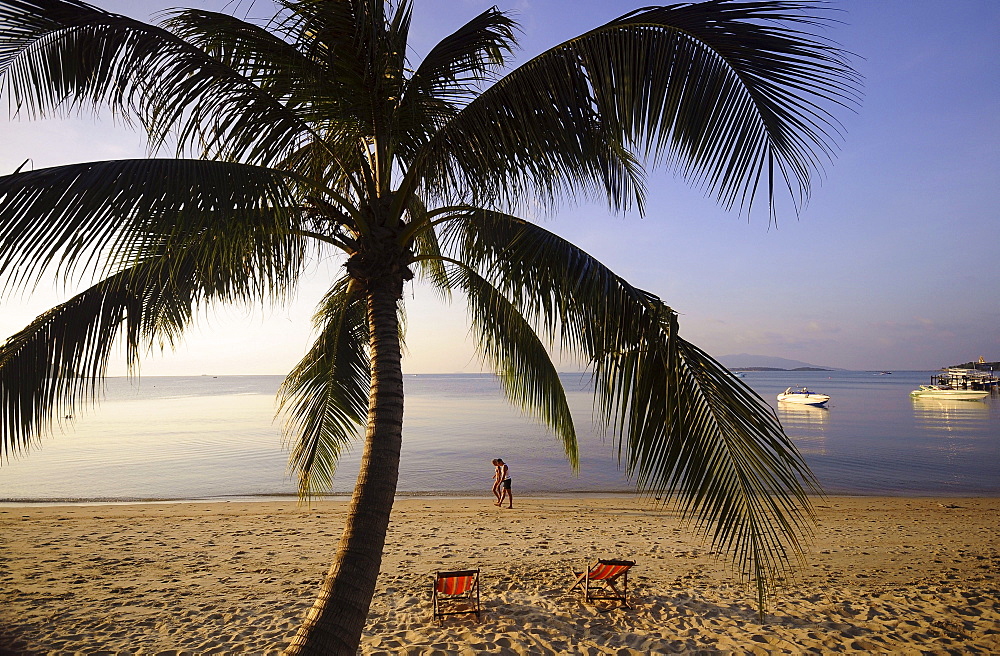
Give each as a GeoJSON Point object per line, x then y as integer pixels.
{"type": "Point", "coordinates": [605, 580]}
{"type": "Point", "coordinates": [456, 593]}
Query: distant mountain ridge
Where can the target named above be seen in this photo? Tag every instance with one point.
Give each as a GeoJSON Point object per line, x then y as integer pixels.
{"type": "Point", "coordinates": [748, 361]}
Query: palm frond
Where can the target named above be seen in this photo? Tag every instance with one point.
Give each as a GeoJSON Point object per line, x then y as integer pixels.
{"type": "Point", "coordinates": [261, 56]}
{"type": "Point", "coordinates": [554, 283]}
{"type": "Point", "coordinates": [693, 433]}
{"type": "Point", "coordinates": [289, 73]}
{"type": "Point", "coordinates": [60, 359]}
{"type": "Point", "coordinates": [427, 248]}
{"type": "Point", "coordinates": [730, 93]}
{"type": "Point", "coordinates": [355, 45]}
{"type": "Point", "coordinates": [532, 143]}
{"type": "Point", "coordinates": [450, 75]}
{"type": "Point", "coordinates": [325, 397]}
{"type": "Point", "coordinates": [686, 429]}
{"type": "Point", "coordinates": [72, 216]}
{"type": "Point", "coordinates": [470, 55]}
{"type": "Point", "coordinates": [507, 341]}
{"type": "Point", "coordinates": [61, 54]}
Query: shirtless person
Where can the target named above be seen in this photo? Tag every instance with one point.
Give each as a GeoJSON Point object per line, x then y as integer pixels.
{"type": "Point", "coordinates": [505, 492]}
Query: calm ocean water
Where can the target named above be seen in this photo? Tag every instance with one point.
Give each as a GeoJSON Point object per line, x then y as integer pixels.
{"type": "Point", "coordinates": [207, 437]}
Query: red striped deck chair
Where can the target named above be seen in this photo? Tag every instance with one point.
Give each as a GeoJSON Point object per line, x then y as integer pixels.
{"type": "Point", "coordinates": [456, 593]}
{"type": "Point", "coordinates": [605, 579]}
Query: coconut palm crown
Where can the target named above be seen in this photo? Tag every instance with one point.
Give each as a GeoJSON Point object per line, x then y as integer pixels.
{"type": "Point", "coordinates": [314, 134]}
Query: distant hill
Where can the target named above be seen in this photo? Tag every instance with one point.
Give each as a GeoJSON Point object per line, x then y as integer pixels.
{"type": "Point", "coordinates": [768, 362]}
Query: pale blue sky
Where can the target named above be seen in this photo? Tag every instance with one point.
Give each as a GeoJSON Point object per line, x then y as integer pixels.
{"type": "Point", "coordinates": [892, 265]}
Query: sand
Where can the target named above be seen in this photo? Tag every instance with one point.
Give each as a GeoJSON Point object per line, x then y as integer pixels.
{"type": "Point", "coordinates": [884, 575]}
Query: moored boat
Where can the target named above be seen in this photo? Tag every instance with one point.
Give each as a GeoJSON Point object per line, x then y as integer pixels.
{"type": "Point", "coordinates": [803, 396]}
{"type": "Point", "coordinates": [947, 392]}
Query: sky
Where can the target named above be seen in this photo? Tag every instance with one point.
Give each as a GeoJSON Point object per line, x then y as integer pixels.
{"type": "Point", "coordinates": [893, 264]}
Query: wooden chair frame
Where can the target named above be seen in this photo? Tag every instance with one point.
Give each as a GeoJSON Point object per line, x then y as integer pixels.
{"type": "Point", "coordinates": [456, 593]}
{"type": "Point", "coordinates": [602, 579]}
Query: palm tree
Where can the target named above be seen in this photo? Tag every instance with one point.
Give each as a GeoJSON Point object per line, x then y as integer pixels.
{"type": "Point", "coordinates": [314, 134]}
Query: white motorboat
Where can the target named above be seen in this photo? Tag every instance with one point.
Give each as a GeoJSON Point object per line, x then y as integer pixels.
{"type": "Point", "coordinates": [947, 392]}
{"type": "Point", "coordinates": [803, 396]}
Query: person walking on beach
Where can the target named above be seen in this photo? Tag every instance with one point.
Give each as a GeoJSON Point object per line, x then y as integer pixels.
{"type": "Point", "coordinates": [505, 492]}
{"type": "Point", "coordinates": [497, 481]}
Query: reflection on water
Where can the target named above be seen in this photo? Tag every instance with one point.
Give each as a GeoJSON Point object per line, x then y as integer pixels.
{"type": "Point", "coordinates": [959, 425]}
{"type": "Point", "coordinates": [809, 444]}
{"type": "Point", "coordinates": [794, 416]}
{"type": "Point", "coordinates": [950, 415]}
{"type": "Point", "coordinates": [804, 424]}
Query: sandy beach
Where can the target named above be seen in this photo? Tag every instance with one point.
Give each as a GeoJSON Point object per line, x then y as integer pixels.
{"type": "Point", "coordinates": [884, 575]}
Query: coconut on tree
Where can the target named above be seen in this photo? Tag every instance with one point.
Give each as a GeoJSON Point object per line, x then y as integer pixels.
{"type": "Point", "coordinates": [315, 134]}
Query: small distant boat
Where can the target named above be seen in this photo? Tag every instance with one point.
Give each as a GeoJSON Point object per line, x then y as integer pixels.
{"type": "Point", "coordinates": [803, 396]}
{"type": "Point", "coordinates": [947, 392]}
{"type": "Point", "coordinates": [884, 373]}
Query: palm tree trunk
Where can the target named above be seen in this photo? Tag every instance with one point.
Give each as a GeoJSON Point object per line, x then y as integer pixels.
{"type": "Point", "coordinates": [337, 618]}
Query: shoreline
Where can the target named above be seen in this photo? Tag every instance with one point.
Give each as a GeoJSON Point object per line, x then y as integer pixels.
{"type": "Point", "coordinates": [884, 574]}
{"type": "Point", "coordinates": [445, 495]}
{"type": "Point", "coordinates": [280, 498]}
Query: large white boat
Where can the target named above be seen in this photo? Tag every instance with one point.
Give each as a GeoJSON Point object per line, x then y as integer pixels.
{"type": "Point", "coordinates": [803, 396]}
{"type": "Point", "coordinates": [946, 392]}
